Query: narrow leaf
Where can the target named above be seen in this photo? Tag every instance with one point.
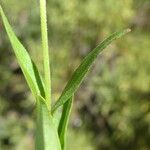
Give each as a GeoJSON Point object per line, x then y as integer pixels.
{"type": "Point", "coordinates": [28, 67]}
{"type": "Point", "coordinates": [46, 133]}
{"type": "Point", "coordinates": [82, 70]}
{"type": "Point", "coordinates": [62, 129]}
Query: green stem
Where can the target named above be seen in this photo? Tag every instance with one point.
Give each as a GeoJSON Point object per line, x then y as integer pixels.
{"type": "Point", "coordinates": [45, 51]}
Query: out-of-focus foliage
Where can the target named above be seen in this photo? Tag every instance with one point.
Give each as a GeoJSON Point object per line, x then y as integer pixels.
{"type": "Point", "coordinates": [77, 139]}
{"type": "Point", "coordinates": [112, 109]}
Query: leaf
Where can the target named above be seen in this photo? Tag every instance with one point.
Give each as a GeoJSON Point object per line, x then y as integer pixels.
{"type": "Point", "coordinates": [46, 133]}
{"type": "Point", "coordinates": [82, 70]}
{"type": "Point", "coordinates": [62, 129]}
{"type": "Point", "coordinates": [28, 67]}
{"type": "Point", "coordinates": [61, 119]}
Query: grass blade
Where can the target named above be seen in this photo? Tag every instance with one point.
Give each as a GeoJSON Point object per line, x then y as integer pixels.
{"type": "Point", "coordinates": [46, 133]}
{"type": "Point", "coordinates": [62, 129]}
{"type": "Point", "coordinates": [82, 70]}
{"type": "Point", "coordinates": [28, 67]}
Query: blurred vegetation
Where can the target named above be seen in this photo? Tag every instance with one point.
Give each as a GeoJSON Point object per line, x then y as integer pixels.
{"type": "Point", "coordinates": [112, 107]}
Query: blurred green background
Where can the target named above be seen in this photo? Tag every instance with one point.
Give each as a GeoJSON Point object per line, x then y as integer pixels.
{"type": "Point", "coordinates": [112, 107]}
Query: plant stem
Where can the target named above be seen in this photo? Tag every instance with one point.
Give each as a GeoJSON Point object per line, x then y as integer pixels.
{"type": "Point", "coordinates": [45, 52]}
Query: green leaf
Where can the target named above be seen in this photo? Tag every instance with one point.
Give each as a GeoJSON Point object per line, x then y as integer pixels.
{"type": "Point", "coordinates": [82, 70]}
{"type": "Point", "coordinates": [46, 132]}
{"type": "Point", "coordinates": [62, 129]}
{"type": "Point", "coordinates": [28, 67]}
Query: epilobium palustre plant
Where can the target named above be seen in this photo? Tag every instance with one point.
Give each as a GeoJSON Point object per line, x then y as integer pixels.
{"type": "Point", "coordinates": [51, 125]}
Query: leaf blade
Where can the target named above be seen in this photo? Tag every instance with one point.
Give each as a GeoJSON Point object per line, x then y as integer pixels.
{"type": "Point", "coordinates": [27, 65]}
{"type": "Point", "coordinates": [62, 128]}
{"type": "Point", "coordinates": [85, 65]}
